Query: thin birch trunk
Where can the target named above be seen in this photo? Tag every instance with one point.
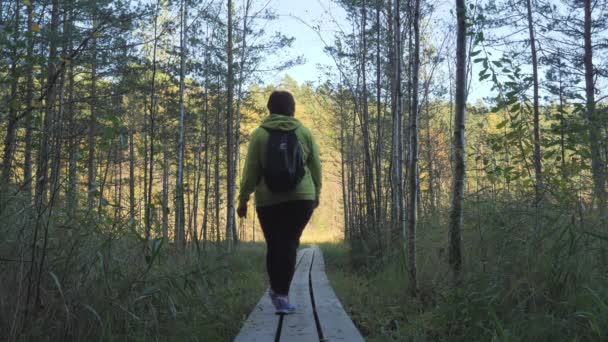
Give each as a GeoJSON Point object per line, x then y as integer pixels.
{"type": "Point", "coordinates": [456, 210]}
{"type": "Point", "coordinates": [231, 237]}
{"type": "Point", "coordinates": [239, 93]}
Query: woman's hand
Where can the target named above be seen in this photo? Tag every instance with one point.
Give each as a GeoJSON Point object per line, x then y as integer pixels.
{"type": "Point", "coordinates": [241, 211]}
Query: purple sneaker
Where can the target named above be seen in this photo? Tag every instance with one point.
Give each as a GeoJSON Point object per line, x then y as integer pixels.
{"type": "Point", "coordinates": [273, 298]}
{"type": "Point", "coordinates": [284, 307]}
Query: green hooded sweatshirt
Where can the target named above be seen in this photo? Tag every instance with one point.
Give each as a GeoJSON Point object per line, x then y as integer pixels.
{"type": "Point", "coordinates": [253, 175]}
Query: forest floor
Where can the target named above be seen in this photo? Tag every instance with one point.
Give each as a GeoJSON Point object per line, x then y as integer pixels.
{"type": "Point", "coordinates": [97, 286]}
{"type": "Point", "coordinates": [512, 289]}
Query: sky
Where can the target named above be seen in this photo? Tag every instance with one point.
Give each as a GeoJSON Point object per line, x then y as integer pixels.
{"type": "Point", "coordinates": [294, 20]}
{"type": "Point", "coordinates": [307, 42]}
{"type": "Point", "coordinates": [296, 17]}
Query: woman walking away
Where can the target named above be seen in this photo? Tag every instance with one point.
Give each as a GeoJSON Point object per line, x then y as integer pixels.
{"type": "Point", "coordinates": [284, 170]}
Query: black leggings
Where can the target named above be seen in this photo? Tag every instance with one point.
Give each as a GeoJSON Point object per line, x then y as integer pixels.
{"type": "Point", "coordinates": [282, 225]}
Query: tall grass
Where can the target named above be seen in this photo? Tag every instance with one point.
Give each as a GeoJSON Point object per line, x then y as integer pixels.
{"type": "Point", "coordinates": [520, 284]}
{"type": "Point", "coordinates": [102, 282]}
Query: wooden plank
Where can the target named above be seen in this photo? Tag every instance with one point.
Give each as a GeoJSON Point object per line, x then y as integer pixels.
{"type": "Point", "coordinates": [300, 326]}
{"type": "Point", "coordinates": [262, 323]}
{"type": "Point", "coordinates": [261, 326]}
{"type": "Point", "coordinates": [335, 322]}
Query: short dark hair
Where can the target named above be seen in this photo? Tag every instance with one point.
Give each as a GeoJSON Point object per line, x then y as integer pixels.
{"type": "Point", "coordinates": [281, 102]}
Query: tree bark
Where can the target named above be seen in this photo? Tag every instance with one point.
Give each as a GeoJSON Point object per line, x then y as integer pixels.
{"type": "Point", "coordinates": [179, 187]}
{"type": "Point", "coordinates": [91, 191]}
{"type": "Point", "coordinates": [456, 210]}
{"type": "Point", "coordinates": [239, 94]}
{"type": "Point", "coordinates": [369, 178]}
{"type": "Point", "coordinates": [217, 194]}
{"type": "Point", "coordinates": [29, 98]}
{"type": "Point", "coordinates": [72, 196]}
{"type": "Point", "coordinates": [231, 236]}
{"type": "Point", "coordinates": [152, 111]}
{"type": "Point", "coordinates": [40, 196]}
{"type": "Point", "coordinates": [9, 138]}
{"type": "Point", "coordinates": [562, 123]}
{"type": "Point", "coordinates": [132, 163]}
{"type": "Point", "coordinates": [379, 140]}
{"type": "Point", "coordinates": [413, 167]}
{"type": "Point", "coordinates": [430, 161]}
{"type": "Point", "coordinates": [343, 161]}
{"type": "Point", "coordinates": [165, 194]}
{"type": "Point", "coordinates": [207, 147]}
{"type": "Point", "coordinates": [538, 187]}
{"type": "Point", "coordinates": [396, 96]}
{"type": "Point", "coordinates": [597, 165]}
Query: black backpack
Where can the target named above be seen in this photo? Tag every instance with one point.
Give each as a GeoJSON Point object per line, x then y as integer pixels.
{"type": "Point", "coordinates": [284, 161]}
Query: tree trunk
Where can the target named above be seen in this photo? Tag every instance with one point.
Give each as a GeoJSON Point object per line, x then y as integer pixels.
{"type": "Point", "coordinates": [456, 210]}
{"type": "Point", "coordinates": [352, 188]}
{"type": "Point", "coordinates": [58, 122]}
{"type": "Point", "coordinates": [396, 95]}
{"type": "Point", "coordinates": [91, 191]}
{"type": "Point", "coordinates": [562, 123]}
{"type": "Point", "coordinates": [239, 94]}
{"type": "Point", "coordinates": [217, 194]}
{"type": "Point", "coordinates": [597, 165]}
{"type": "Point", "coordinates": [152, 111]}
{"type": "Point", "coordinates": [179, 186]}
{"type": "Point", "coordinates": [207, 147]}
{"type": "Point", "coordinates": [379, 141]}
{"type": "Point", "coordinates": [231, 236]}
{"type": "Point", "coordinates": [343, 161]}
{"type": "Point", "coordinates": [9, 139]}
{"type": "Point", "coordinates": [132, 163]}
{"type": "Point", "coordinates": [369, 178]}
{"type": "Point", "coordinates": [413, 169]}
{"type": "Point", "coordinates": [42, 167]}
{"type": "Point", "coordinates": [29, 98]}
{"type": "Point", "coordinates": [430, 161]}
{"type": "Point", "coordinates": [40, 197]}
{"type": "Point", "coordinates": [72, 192]}
{"type": "Point", "coordinates": [165, 194]}
{"type": "Point", "coordinates": [538, 187]}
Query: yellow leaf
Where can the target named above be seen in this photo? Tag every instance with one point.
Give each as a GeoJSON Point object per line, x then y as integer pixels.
{"type": "Point", "coordinates": [35, 28]}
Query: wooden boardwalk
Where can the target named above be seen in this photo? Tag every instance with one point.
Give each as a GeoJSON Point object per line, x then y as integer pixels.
{"type": "Point", "coordinates": [320, 316]}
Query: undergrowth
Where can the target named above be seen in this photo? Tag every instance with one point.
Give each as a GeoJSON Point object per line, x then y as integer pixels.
{"type": "Point", "coordinates": [101, 281]}
{"type": "Point", "coordinates": [518, 284]}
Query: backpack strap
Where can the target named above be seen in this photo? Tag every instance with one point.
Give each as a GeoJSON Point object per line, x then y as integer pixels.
{"type": "Point", "coordinates": [270, 130]}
